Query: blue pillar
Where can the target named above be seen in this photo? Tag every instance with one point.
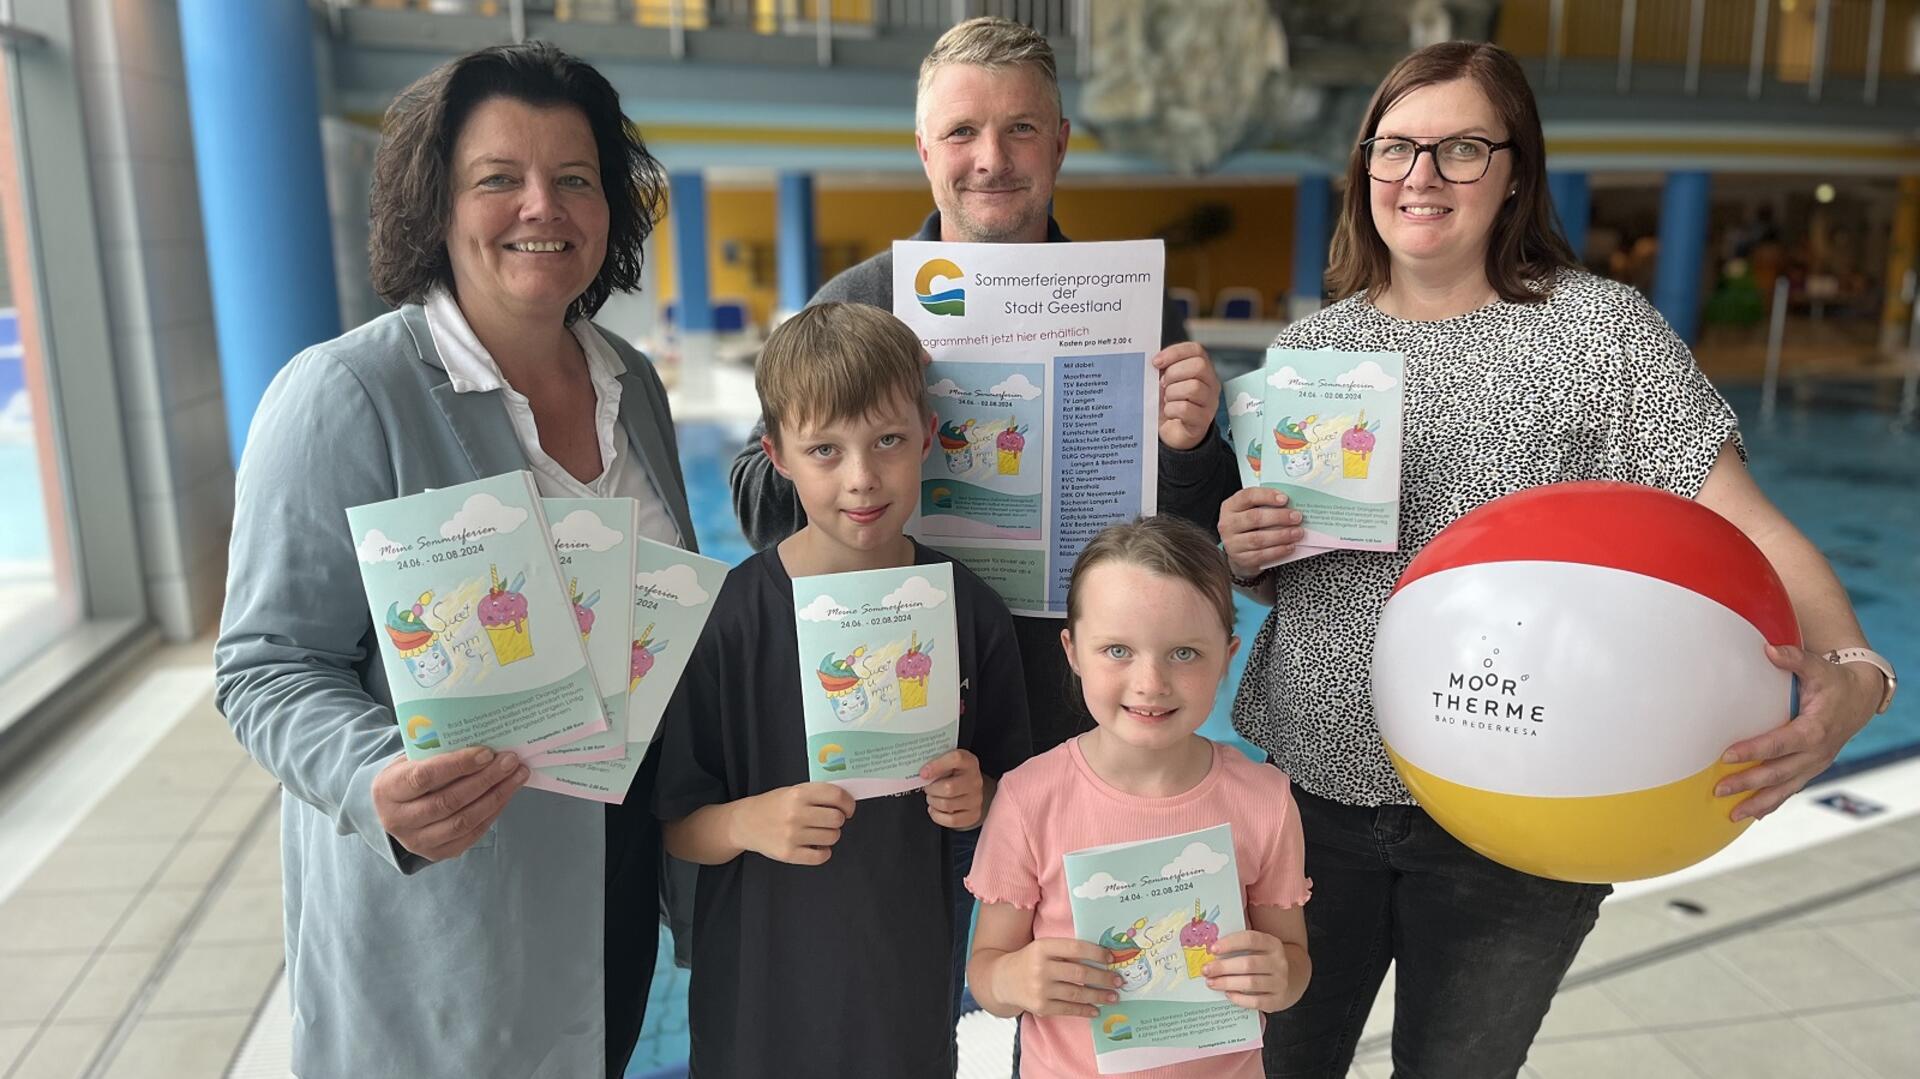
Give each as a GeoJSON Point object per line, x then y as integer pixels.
{"type": "Point", "coordinates": [1312, 220]}
{"type": "Point", "coordinates": [687, 201]}
{"type": "Point", "coordinates": [263, 193]}
{"type": "Point", "coordinates": [799, 272]}
{"type": "Point", "coordinates": [1573, 203]}
{"type": "Point", "coordinates": [1683, 243]}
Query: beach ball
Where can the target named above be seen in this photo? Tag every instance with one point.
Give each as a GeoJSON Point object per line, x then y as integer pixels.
{"type": "Point", "coordinates": [1558, 672]}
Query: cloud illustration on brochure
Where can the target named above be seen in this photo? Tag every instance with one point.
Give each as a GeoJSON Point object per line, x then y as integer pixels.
{"type": "Point", "coordinates": [946, 387]}
{"type": "Point", "coordinates": [1369, 375]}
{"type": "Point", "coordinates": [376, 547]}
{"type": "Point", "coordinates": [1100, 886]}
{"type": "Point", "coordinates": [1196, 858]}
{"type": "Point", "coordinates": [678, 581]}
{"type": "Point", "coordinates": [823, 609]}
{"type": "Point", "coordinates": [916, 591]}
{"type": "Point", "coordinates": [1287, 378]}
{"type": "Point", "coordinates": [483, 514]}
{"type": "Point", "coordinates": [583, 528]}
{"type": "Point", "coordinates": [1243, 404]}
{"type": "Point", "coordinates": [1016, 385]}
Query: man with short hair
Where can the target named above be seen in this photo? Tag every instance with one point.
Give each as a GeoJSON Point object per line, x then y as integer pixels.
{"type": "Point", "coordinates": [991, 137]}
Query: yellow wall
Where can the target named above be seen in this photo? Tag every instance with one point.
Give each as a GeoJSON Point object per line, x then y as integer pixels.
{"type": "Point", "coordinates": [855, 223]}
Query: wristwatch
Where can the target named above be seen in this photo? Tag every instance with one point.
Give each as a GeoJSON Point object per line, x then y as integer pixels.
{"type": "Point", "coordinates": [1872, 659]}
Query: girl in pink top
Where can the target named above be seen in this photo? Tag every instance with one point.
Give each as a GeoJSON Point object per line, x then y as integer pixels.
{"type": "Point", "coordinates": [1149, 633]}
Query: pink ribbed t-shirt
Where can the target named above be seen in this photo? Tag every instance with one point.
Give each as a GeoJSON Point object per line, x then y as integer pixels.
{"type": "Point", "coordinates": [1055, 804]}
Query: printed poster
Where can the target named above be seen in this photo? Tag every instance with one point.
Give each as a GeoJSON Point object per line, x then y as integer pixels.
{"type": "Point", "coordinates": [476, 635]}
{"type": "Point", "coordinates": [1047, 405]}
{"type": "Point", "coordinates": [879, 675]}
{"type": "Point", "coordinates": [1157, 906]}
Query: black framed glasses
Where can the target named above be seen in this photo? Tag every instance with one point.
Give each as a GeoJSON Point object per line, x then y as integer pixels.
{"type": "Point", "coordinates": [1461, 159]}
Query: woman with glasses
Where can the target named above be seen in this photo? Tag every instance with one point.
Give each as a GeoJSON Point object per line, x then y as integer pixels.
{"type": "Point", "coordinates": [1521, 370]}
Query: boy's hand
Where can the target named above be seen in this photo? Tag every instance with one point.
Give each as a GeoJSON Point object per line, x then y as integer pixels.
{"type": "Point", "coordinates": [1049, 977]}
{"type": "Point", "coordinates": [1256, 978]}
{"type": "Point", "coordinates": [955, 789]}
{"type": "Point", "coordinates": [798, 824]}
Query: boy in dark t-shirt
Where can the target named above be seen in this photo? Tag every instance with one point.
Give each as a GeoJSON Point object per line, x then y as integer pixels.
{"type": "Point", "coordinates": [823, 934]}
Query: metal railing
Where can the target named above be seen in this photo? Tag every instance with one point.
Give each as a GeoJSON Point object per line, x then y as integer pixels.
{"type": "Point", "coordinates": [1810, 42]}
{"type": "Point", "coordinates": [1059, 19]}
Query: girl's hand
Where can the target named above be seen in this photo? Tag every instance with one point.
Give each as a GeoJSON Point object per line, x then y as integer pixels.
{"type": "Point", "coordinates": [1257, 977]}
{"type": "Point", "coordinates": [1258, 529]}
{"type": "Point", "coordinates": [798, 825]}
{"type": "Point", "coordinates": [956, 791]}
{"type": "Point", "coordinates": [1051, 977]}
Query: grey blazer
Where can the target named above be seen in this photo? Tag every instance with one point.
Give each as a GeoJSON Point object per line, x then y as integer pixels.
{"type": "Point", "coordinates": [488, 964]}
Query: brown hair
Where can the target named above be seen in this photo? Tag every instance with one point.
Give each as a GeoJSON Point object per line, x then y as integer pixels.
{"type": "Point", "coordinates": [836, 361]}
{"type": "Point", "coordinates": [412, 172]}
{"type": "Point", "coordinates": [1526, 246]}
{"type": "Point", "coordinates": [990, 42]}
{"type": "Point", "coordinates": [1164, 546]}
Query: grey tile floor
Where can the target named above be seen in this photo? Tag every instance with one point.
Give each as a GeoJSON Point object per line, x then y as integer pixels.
{"type": "Point", "coordinates": [146, 942]}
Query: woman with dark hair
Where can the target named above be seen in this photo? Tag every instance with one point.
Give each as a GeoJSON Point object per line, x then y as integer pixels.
{"type": "Point", "coordinates": [1521, 370]}
{"type": "Point", "coordinates": [440, 920]}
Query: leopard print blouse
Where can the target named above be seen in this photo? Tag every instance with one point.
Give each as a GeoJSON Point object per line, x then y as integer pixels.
{"type": "Point", "coordinates": [1589, 384]}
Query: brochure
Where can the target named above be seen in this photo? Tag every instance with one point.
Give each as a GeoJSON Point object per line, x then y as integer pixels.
{"type": "Point", "coordinates": [479, 644]}
{"type": "Point", "coordinates": [879, 675]}
{"type": "Point", "coordinates": [1334, 432]}
{"type": "Point", "coordinates": [1157, 906]}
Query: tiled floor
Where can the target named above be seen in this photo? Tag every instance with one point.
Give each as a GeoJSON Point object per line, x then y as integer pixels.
{"type": "Point", "coordinates": [146, 943]}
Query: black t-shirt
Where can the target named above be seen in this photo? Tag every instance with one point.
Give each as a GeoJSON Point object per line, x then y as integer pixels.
{"type": "Point", "coordinates": [842, 969]}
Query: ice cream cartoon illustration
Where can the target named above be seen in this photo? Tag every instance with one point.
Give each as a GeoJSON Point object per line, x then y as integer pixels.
{"type": "Point", "coordinates": [644, 650]}
{"type": "Point", "coordinates": [1129, 960]}
{"type": "Point", "coordinates": [911, 671]}
{"type": "Point", "coordinates": [503, 614]}
{"type": "Point", "coordinates": [953, 439]}
{"type": "Point", "coordinates": [1296, 453]}
{"type": "Point", "coordinates": [1010, 442]}
{"type": "Point", "coordinates": [1253, 455]}
{"type": "Point", "coordinates": [419, 646]}
{"type": "Point", "coordinates": [842, 683]}
{"type": "Point", "coordinates": [582, 608]}
{"type": "Point", "coordinates": [1356, 448]}
{"type": "Point", "coordinates": [1196, 939]}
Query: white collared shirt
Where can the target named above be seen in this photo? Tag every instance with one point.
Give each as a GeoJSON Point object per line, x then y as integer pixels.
{"type": "Point", "coordinates": [471, 370]}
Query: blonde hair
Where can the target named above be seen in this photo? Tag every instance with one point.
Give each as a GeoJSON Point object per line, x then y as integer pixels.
{"type": "Point", "coordinates": [1163, 546]}
{"type": "Point", "coordinates": [837, 361]}
{"type": "Point", "coordinates": [993, 43]}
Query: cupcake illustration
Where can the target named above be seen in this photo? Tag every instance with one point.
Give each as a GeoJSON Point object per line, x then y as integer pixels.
{"type": "Point", "coordinates": [503, 614]}
{"type": "Point", "coordinates": [644, 650]}
{"type": "Point", "coordinates": [427, 660]}
{"type": "Point", "coordinates": [843, 687]}
{"type": "Point", "coordinates": [1129, 959]}
{"type": "Point", "coordinates": [1010, 442]}
{"type": "Point", "coordinates": [953, 439]}
{"type": "Point", "coordinates": [911, 672]}
{"type": "Point", "coordinates": [582, 608]}
{"type": "Point", "coordinates": [1296, 454]}
{"type": "Point", "coordinates": [1197, 937]}
{"type": "Point", "coordinates": [1253, 455]}
{"type": "Point", "coordinates": [1356, 448]}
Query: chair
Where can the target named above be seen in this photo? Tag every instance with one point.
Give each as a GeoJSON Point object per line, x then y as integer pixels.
{"type": "Point", "coordinates": [1185, 300]}
{"type": "Point", "coordinates": [1237, 302]}
{"type": "Point", "coordinates": [729, 316]}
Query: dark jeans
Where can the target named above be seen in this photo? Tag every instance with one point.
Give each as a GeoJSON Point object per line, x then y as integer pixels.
{"type": "Point", "coordinates": [1479, 948]}
{"type": "Point", "coordinates": [633, 888]}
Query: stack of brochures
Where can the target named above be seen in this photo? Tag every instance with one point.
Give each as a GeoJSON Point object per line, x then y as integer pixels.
{"type": "Point", "coordinates": [545, 627]}
{"type": "Point", "coordinates": [1325, 428]}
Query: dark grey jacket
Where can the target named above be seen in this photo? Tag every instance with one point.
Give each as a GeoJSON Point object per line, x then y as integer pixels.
{"type": "Point", "coordinates": [1192, 485]}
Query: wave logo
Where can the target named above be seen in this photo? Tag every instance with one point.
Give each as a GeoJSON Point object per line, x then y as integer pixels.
{"type": "Point", "coordinates": [951, 301]}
